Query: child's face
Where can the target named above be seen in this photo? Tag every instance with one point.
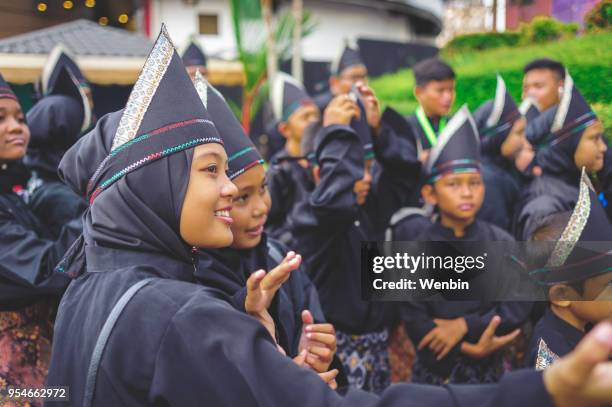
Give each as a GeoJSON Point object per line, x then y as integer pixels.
{"type": "Point", "coordinates": [205, 216]}
{"type": "Point", "coordinates": [591, 148]}
{"type": "Point", "coordinates": [250, 208]}
{"type": "Point", "coordinates": [594, 311]}
{"type": "Point", "coordinates": [343, 83]}
{"type": "Point", "coordinates": [14, 133]}
{"type": "Point", "coordinates": [436, 97]}
{"type": "Point", "coordinates": [294, 127]}
{"type": "Point", "coordinates": [361, 188]}
{"type": "Point", "coordinates": [544, 86]}
{"type": "Point", "coordinates": [458, 196]}
{"type": "Point", "coordinates": [594, 304]}
{"type": "Point", "coordinates": [513, 144]}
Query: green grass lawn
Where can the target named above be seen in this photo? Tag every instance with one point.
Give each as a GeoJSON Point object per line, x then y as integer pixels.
{"type": "Point", "coordinates": [588, 59]}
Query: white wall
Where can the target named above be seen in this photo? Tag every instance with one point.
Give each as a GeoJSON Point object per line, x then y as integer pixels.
{"type": "Point", "coordinates": [182, 21]}
{"type": "Point", "coordinates": [335, 24]}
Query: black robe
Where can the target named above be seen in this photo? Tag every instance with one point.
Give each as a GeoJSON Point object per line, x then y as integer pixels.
{"type": "Point", "coordinates": [149, 358]}
{"type": "Point", "coordinates": [28, 251]}
{"type": "Point", "coordinates": [419, 316]}
{"type": "Point", "coordinates": [559, 337]}
{"type": "Point", "coordinates": [418, 130]}
{"type": "Point", "coordinates": [329, 227]}
{"type": "Point", "coordinates": [544, 196]}
{"type": "Point", "coordinates": [228, 270]}
{"type": "Point", "coordinates": [503, 185]}
{"type": "Point", "coordinates": [55, 124]}
{"type": "Point", "coordinates": [288, 184]}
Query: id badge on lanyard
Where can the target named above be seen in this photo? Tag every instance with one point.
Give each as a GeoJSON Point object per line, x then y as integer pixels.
{"type": "Point", "coordinates": [427, 128]}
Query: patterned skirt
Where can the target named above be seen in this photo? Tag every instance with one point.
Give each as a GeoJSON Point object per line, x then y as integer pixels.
{"type": "Point", "coordinates": [401, 355]}
{"type": "Point", "coordinates": [365, 360]}
{"type": "Point", "coordinates": [464, 371]}
{"type": "Point", "coordinates": [25, 349]}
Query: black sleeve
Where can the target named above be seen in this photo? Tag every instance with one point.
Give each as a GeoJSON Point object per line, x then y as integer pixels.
{"type": "Point", "coordinates": [27, 261]}
{"type": "Point", "coordinates": [332, 203]}
{"type": "Point", "coordinates": [395, 175]}
{"type": "Point", "coordinates": [512, 313]}
{"type": "Point", "coordinates": [55, 204]}
{"type": "Point", "coordinates": [238, 365]}
{"type": "Point", "coordinates": [418, 320]}
{"type": "Point", "coordinates": [281, 187]}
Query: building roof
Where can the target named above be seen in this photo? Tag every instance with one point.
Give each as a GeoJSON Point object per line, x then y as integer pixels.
{"type": "Point", "coordinates": [82, 38]}
{"type": "Point", "coordinates": [106, 55]}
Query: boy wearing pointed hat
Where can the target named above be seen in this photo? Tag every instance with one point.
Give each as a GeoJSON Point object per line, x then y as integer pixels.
{"type": "Point", "coordinates": [575, 139]}
{"type": "Point", "coordinates": [346, 71]}
{"type": "Point", "coordinates": [501, 127]}
{"type": "Point", "coordinates": [289, 176]}
{"type": "Point", "coordinates": [577, 276]}
{"type": "Point", "coordinates": [443, 330]}
{"type": "Point", "coordinates": [363, 174]}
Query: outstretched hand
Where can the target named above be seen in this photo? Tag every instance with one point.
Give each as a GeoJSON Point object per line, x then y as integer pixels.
{"type": "Point", "coordinates": [262, 286]}
{"type": "Point", "coordinates": [488, 342]}
{"type": "Point", "coordinates": [319, 341]}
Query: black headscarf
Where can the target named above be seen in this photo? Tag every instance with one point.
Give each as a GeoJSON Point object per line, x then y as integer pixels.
{"type": "Point", "coordinates": [62, 76]}
{"type": "Point", "coordinates": [55, 125]}
{"type": "Point", "coordinates": [193, 55]}
{"type": "Point", "coordinates": [59, 58]}
{"type": "Point", "coordinates": [134, 166]}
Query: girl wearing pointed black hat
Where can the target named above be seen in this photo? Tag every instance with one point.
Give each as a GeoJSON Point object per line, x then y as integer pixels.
{"type": "Point", "coordinates": [28, 253]}
{"type": "Point", "coordinates": [575, 139]}
{"type": "Point", "coordinates": [443, 331]}
{"type": "Point", "coordinates": [577, 276]}
{"type": "Point", "coordinates": [56, 122]}
{"type": "Point", "coordinates": [297, 306]}
{"type": "Point", "coordinates": [134, 330]}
